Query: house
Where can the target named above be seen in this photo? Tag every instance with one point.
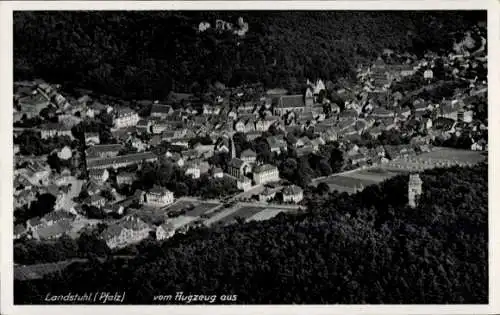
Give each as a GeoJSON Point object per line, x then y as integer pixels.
{"type": "Point", "coordinates": [55, 130]}
{"type": "Point", "coordinates": [193, 170]}
{"type": "Point", "coordinates": [97, 201]}
{"type": "Point", "coordinates": [99, 175]}
{"type": "Point", "coordinates": [266, 195]}
{"type": "Point", "coordinates": [32, 105]}
{"type": "Point", "coordinates": [293, 194]}
{"type": "Point", "coordinates": [277, 144]}
{"type": "Point", "coordinates": [479, 145]}
{"type": "Point", "coordinates": [165, 231]}
{"type": "Point", "coordinates": [92, 138]}
{"type": "Point", "coordinates": [217, 173]}
{"type": "Point", "coordinates": [241, 182]}
{"type": "Point", "coordinates": [144, 125]}
{"type": "Point", "coordinates": [49, 232]}
{"type": "Point", "coordinates": [128, 231]}
{"type": "Point", "coordinates": [348, 114]}
{"type": "Point", "coordinates": [57, 217]}
{"type": "Point", "coordinates": [37, 172]}
{"type": "Point", "coordinates": [159, 196]}
{"type": "Point", "coordinates": [125, 178]}
{"type": "Point", "coordinates": [65, 153]}
{"type": "Point", "coordinates": [19, 231]}
{"type": "Point", "coordinates": [248, 156]}
{"type": "Point", "coordinates": [161, 111]}
{"type": "Point", "coordinates": [114, 208]}
{"type": "Point", "coordinates": [93, 188]}
{"type": "Point", "coordinates": [264, 124]}
{"type": "Point", "coordinates": [238, 167]}
{"type": "Point", "coordinates": [181, 142]}
{"type": "Point", "coordinates": [160, 126]}
{"type": "Point", "coordinates": [103, 151]}
{"type": "Point", "coordinates": [68, 120]}
{"type": "Point", "coordinates": [205, 150]}
{"type": "Point", "coordinates": [265, 173]}
{"type": "Point", "coordinates": [380, 112]}
{"type": "Point", "coordinates": [317, 142]}
{"type": "Point", "coordinates": [177, 159]}
{"type": "Point", "coordinates": [125, 118]}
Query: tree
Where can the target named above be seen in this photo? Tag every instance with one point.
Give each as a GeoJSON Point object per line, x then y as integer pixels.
{"type": "Point", "coordinates": [54, 162]}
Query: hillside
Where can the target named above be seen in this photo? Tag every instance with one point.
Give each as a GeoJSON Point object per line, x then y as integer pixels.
{"type": "Point", "coordinates": [148, 54]}
{"type": "Point", "coordinates": [365, 248]}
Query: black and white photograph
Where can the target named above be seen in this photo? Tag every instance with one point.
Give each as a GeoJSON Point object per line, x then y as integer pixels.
{"type": "Point", "coordinates": [249, 156]}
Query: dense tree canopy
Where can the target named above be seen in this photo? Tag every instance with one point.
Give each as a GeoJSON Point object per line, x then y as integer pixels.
{"type": "Point", "coordinates": [147, 54]}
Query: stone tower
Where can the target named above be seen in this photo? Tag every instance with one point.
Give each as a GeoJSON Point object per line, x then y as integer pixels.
{"type": "Point", "coordinates": [233, 148]}
{"type": "Point", "coordinates": [414, 189]}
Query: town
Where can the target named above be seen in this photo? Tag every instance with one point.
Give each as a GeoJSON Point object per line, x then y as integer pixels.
{"type": "Point", "coordinates": [125, 171]}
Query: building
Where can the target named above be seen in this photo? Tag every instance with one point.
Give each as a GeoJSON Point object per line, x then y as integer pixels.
{"type": "Point", "coordinates": [217, 173]}
{"type": "Point", "coordinates": [122, 160]}
{"type": "Point", "coordinates": [414, 189]}
{"type": "Point", "coordinates": [159, 196]}
{"type": "Point", "coordinates": [161, 111]}
{"type": "Point", "coordinates": [248, 156]}
{"type": "Point", "coordinates": [265, 173]}
{"type": "Point", "coordinates": [37, 172]}
{"type": "Point", "coordinates": [193, 170]}
{"type": "Point", "coordinates": [125, 118]}
{"type": "Point", "coordinates": [238, 167]}
{"type": "Point", "coordinates": [277, 144]}
{"type": "Point", "coordinates": [99, 175]}
{"type": "Point", "coordinates": [123, 178]}
{"type": "Point", "coordinates": [165, 231]}
{"type": "Point", "coordinates": [267, 195]}
{"type": "Point", "coordinates": [97, 201]}
{"type": "Point", "coordinates": [291, 103]}
{"type": "Point", "coordinates": [103, 151]}
{"type": "Point", "coordinates": [293, 194]}
{"type": "Point", "coordinates": [92, 138]}
{"type": "Point", "coordinates": [55, 130]}
{"type": "Point", "coordinates": [128, 231]}
{"type": "Point", "coordinates": [242, 182]}
{"type": "Point", "coordinates": [31, 105]}
{"type": "Point", "coordinates": [65, 153]}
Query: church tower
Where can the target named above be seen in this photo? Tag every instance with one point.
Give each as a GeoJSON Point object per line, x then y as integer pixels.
{"type": "Point", "coordinates": [414, 189]}
{"type": "Point", "coordinates": [233, 148]}
{"type": "Point", "coordinates": [309, 98]}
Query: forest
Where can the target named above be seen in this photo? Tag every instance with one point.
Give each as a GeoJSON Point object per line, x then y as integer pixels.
{"type": "Point", "coordinates": [137, 55]}
{"type": "Point", "coordinates": [366, 248]}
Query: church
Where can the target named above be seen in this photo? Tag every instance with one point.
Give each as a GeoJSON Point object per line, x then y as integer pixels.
{"type": "Point", "coordinates": [300, 103]}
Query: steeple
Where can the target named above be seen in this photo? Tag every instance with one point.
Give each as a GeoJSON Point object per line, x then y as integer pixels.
{"type": "Point", "coordinates": [233, 148]}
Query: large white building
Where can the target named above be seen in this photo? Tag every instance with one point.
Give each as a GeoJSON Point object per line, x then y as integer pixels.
{"type": "Point", "coordinates": [265, 173]}
{"type": "Point", "coordinates": [128, 231]}
{"type": "Point", "coordinates": [126, 118]}
{"type": "Point", "coordinates": [293, 194]}
{"type": "Point", "coordinates": [159, 197]}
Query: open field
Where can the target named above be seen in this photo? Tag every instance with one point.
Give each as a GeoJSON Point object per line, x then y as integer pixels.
{"type": "Point", "coordinates": [39, 270]}
{"type": "Point", "coordinates": [220, 215]}
{"type": "Point", "coordinates": [201, 209]}
{"type": "Point", "coordinates": [244, 212]}
{"type": "Point", "coordinates": [179, 205]}
{"type": "Point", "coordinates": [265, 214]}
{"type": "Point", "coordinates": [350, 181]}
{"type": "Point", "coordinates": [149, 214]}
{"type": "Point", "coordinates": [440, 153]}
